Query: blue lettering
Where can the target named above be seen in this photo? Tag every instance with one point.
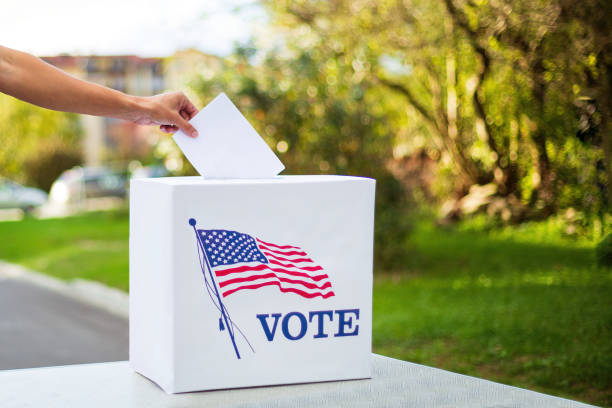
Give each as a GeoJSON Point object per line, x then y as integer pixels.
{"type": "Point", "coordinates": [303, 325]}
{"type": "Point", "coordinates": [264, 324]}
{"type": "Point", "coordinates": [343, 321]}
{"type": "Point", "coordinates": [348, 323]}
{"type": "Point", "coordinates": [320, 314]}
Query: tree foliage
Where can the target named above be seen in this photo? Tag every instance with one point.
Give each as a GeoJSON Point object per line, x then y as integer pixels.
{"type": "Point", "coordinates": [513, 93]}
{"type": "Point", "coordinates": [322, 115]}
{"type": "Point", "coordinates": [37, 144]}
{"type": "Point", "coordinates": [512, 96]}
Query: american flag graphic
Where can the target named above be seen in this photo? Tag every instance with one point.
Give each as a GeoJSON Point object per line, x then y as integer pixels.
{"type": "Point", "coordinates": [241, 262]}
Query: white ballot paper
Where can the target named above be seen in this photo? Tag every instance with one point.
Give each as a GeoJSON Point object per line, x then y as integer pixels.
{"type": "Point", "coordinates": [227, 145]}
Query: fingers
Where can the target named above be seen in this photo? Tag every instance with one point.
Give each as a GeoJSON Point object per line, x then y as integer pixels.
{"type": "Point", "coordinates": [184, 115]}
{"type": "Point", "coordinates": [189, 108]}
{"type": "Point", "coordinates": [172, 111]}
{"type": "Point", "coordinates": [181, 124]}
{"type": "Point", "coordinates": [168, 128]}
{"type": "Point", "coordinates": [185, 126]}
{"type": "Point", "coordinates": [186, 111]}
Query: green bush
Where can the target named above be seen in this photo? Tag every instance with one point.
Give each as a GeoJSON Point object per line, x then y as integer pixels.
{"type": "Point", "coordinates": [392, 225]}
{"type": "Point", "coordinates": [318, 127]}
{"type": "Point", "coordinates": [50, 158]}
{"type": "Point", "coordinates": [27, 133]}
{"type": "Point", "coordinates": [603, 251]}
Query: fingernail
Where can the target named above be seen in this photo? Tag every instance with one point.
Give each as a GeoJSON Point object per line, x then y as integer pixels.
{"type": "Point", "coordinates": [194, 133]}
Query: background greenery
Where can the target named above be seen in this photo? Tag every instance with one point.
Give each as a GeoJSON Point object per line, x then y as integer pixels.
{"type": "Point", "coordinates": [467, 107]}
{"type": "Point", "coordinates": [36, 144]}
{"type": "Point", "coordinates": [509, 94]}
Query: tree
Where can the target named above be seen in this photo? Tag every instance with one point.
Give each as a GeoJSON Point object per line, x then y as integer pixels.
{"type": "Point", "coordinates": [322, 114]}
{"type": "Point", "coordinates": [495, 84]}
{"type": "Point", "coordinates": [37, 144]}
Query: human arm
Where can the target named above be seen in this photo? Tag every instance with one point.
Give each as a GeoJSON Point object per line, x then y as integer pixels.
{"type": "Point", "coordinates": [30, 79]}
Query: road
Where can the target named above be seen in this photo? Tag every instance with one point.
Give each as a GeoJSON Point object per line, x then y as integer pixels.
{"type": "Point", "coordinates": [39, 327]}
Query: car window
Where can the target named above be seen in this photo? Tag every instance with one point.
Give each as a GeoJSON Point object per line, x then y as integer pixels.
{"type": "Point", "coordinates": [8, 185]}
{"type": "Point", "coordinates": [69, 175]}
{"type": "Point", "coordinates": [108, 181]}
{"type": "Point", "coordinates": [111, 181]}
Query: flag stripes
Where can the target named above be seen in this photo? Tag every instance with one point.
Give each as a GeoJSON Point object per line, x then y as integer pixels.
{"type": "Point", "coordinates": [261, 267]}
{"type": "Point", "coordinates": [241, 262]}
{"type": "Point", "coordinates": [305, 268]}
{"type": "Point", "coordinates": [279, 279]}
{"type": "Point", "coordinates": [282, 252]}
{"type": "Point", "coordinates": [280, 258]}
{"type": "Point", "coordinates": [283, 289]}
{"type": "Point", "coordinates": [276, 246]}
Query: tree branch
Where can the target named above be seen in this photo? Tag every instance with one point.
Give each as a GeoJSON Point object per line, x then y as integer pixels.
{"type": "Point", "coordinates": [411, 99]}
{"type": "Point", "coordinates": [466, 166]}
{"type": "Point", "coordinates": [461, 20]}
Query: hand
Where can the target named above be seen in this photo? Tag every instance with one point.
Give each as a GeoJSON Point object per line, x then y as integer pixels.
{"type": "Point", "coordinates": [32, 80]}
{"type": "Point", "coordinates": [171, 111]}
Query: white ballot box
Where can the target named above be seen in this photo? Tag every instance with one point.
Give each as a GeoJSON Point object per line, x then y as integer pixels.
{"type": "Point", "coordinates": [250, 282]}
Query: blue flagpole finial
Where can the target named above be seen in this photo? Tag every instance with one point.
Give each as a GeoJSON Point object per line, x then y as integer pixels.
{"type": "Point", "coordinates": [192, 222]}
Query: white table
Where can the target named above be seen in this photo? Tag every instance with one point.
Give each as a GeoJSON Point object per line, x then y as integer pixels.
{"type": "Point", "coordinates": [394, 384]}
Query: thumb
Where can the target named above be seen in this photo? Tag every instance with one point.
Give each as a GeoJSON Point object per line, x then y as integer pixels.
{"type": "Point", "coordinates": [185, 126]}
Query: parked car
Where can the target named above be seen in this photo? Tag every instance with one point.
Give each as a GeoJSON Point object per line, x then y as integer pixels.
{"type": "Point", "coordinates": [149, 172]}
{"type": "Point", "coordinates": [80, 183]}
{"type": "Point", "coordinates": [14, 195]}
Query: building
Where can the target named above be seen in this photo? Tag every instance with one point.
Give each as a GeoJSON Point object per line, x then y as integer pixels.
{"type": "Point", "coordinates": [112, 140]}
{"type": "Point", "coordinates": [108, 139]}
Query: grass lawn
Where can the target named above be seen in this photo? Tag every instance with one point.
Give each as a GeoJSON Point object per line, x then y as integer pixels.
{"type": "Point", "coordinates": [522, 305]}
{"type": "Point", "coordinates": [92, 246]}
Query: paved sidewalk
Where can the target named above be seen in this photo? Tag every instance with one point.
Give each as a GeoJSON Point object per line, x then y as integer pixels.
{"type": "Point", "coordinates": [41, 326]}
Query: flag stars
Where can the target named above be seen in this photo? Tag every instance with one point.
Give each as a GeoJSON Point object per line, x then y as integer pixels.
{"type": "Point", "coordinates": [229, 247]}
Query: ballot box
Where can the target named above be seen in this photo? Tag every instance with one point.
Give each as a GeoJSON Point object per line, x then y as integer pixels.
{"type": "Point", "coordinates": [250, 282]}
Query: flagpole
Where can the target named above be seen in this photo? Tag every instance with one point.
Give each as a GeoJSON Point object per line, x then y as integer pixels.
{"type": "Point", "coordinates": [230, 330]}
